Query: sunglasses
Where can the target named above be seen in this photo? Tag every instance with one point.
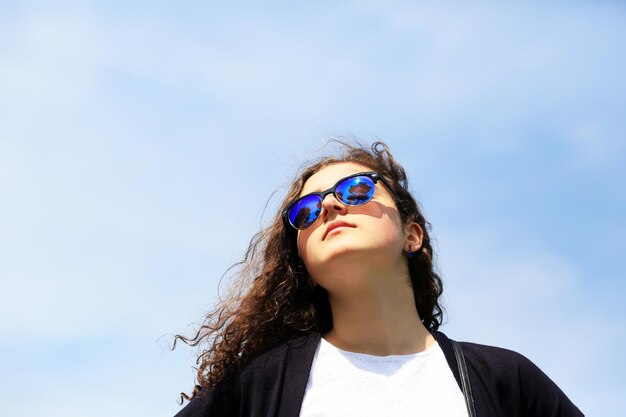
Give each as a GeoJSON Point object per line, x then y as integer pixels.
{"type": "Point", "coordinates": [353, 190]}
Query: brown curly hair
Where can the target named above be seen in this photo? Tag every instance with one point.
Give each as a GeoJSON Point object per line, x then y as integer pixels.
{"type": "Point", "coordinates": [273, 300]}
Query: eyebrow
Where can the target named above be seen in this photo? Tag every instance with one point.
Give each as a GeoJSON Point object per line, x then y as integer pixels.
{"type": "Point", "coordinates": [320, 189]}
{"type": "Point", "coordinates": [316, 189]}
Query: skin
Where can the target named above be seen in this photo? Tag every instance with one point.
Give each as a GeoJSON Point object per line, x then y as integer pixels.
{"type": "Point", "coordinates": [363, 267]}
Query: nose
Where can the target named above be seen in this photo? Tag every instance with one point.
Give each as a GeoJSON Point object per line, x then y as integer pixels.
{"type": "Point", "coordinates": [330, 204]}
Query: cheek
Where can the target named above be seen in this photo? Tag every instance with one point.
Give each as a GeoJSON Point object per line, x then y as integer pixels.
{"type": "Point", "coordinates": [303, 242]}
{"type": "Point", "coordinates": [388, 234]}
{"type": "Point", "coordinates": [310, 247]}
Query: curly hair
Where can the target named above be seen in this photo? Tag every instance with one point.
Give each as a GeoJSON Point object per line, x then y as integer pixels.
{"type": "Point", "coordinates": [273, 300]}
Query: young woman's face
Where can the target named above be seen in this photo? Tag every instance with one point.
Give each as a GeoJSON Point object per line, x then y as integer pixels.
{"type": "Point", "coordinates": [351, 239]}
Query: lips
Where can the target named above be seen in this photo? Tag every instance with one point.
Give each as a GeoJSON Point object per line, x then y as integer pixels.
{"type": "Point", "coordinates": [334, 225]}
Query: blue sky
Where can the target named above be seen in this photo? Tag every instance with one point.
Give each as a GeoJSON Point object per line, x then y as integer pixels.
{"type": "Point", "coordinates": [127, 128]}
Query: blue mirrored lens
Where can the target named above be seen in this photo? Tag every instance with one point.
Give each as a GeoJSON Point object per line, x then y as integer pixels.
{"type": "Point", "coordinates": [305, 211]}
{"type": "Point", "coordinates": [355, 191]}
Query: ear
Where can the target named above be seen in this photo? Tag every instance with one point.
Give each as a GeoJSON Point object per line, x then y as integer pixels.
{"type": "Point", "coordinates": [414, 236]}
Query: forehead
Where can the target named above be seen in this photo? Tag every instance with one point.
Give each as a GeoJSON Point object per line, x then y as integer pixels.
{"type": "Point", "coordinates": [328, 176]}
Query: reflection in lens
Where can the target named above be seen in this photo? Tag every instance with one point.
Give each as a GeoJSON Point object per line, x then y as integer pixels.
{"type": "Point", "coordinates": [305, 211]}
{"type": "Point", "coordinates": [355, 191]}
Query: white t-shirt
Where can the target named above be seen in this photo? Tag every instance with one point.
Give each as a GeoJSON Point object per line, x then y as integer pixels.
{"type": "Point", "coordinates": [344, 384]}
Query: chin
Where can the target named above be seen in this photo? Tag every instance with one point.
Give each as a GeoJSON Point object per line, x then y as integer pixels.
{"type": "Point", "coordinates": [351, 255]}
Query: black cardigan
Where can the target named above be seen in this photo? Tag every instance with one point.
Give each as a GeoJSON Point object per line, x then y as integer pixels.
{"type": "Point", "coordinates": [504, 384]}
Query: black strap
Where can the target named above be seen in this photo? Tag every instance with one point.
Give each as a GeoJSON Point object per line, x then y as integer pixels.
{"type": "Point", "coordinates": [465, 383]}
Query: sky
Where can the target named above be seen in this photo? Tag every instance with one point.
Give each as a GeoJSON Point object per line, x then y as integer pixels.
{"type": "Point", "coordinates": [141, 141]}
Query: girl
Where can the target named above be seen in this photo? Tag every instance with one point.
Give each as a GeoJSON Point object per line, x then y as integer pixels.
{"type": "Point", "coordinates": [342, 313]}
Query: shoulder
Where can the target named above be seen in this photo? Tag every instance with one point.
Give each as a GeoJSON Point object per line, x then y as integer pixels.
{"type": "Point", "coordinates": [516, 381]}
{"type": "Point", "coordinates": [252, 385]}
{"type": "Point", "coordinates": [490, 362]}
{"type": "Point", "coordinates": [496, 359]}
{"type": "Point", "coordinates": [210, 402]}
{"type": "Point", "coordinates": [504, 366]}
{"type": "Point", "coordinates": [271, 359]}
{"type": "Point", "coordinates": [505, 369]}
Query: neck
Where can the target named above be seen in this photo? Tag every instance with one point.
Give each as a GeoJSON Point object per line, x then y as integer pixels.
{"type": "Point", "coordinates": [378, 321]}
